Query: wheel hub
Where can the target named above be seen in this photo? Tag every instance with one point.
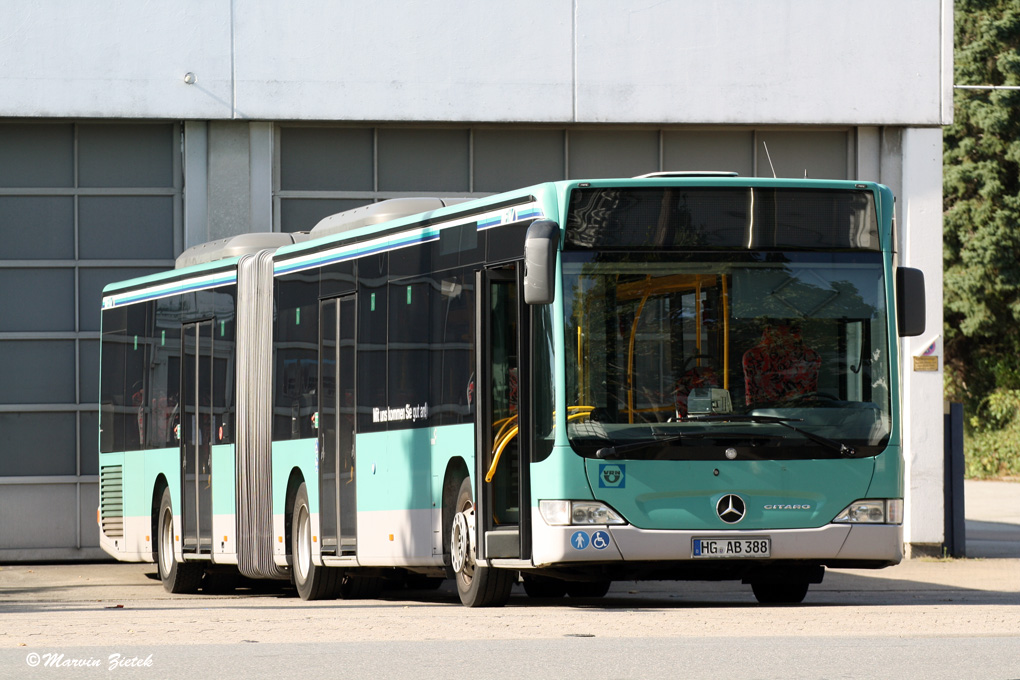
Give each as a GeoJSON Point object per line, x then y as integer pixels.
{"type": "Point", "coordinates": [460, 550]}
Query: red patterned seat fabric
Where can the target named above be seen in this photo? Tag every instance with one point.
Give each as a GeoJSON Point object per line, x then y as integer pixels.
{"type": "Point", "coordinates": [780, 367]}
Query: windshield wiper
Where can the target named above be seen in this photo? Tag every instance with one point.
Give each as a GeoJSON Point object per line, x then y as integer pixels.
{"type": "Point", "coordinates": [607, 452]}
{"type": "Point", "coordinates": [839, 447]}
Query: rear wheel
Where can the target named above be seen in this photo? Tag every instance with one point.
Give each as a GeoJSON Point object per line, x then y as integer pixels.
{"type": "Point", "coordinates": [779, 592]}
{"type": "Point", "coordinates": [311, 581]}
{"type": "Point", "coordinates": [177, 577]}
{"type": "Point", "coordinates": [477, 586]}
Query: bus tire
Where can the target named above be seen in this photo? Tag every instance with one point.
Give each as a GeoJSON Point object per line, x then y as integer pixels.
{"type": "Point", "coordinates": [177, 577]}
{"type": "Point", "coordinates": [588, 588]}
{"type": "Point", "coordinates": [311, 581]}
{"type": "Point", "coordinates": [477, 586]}
{"type": "Point", "coordinates": [779, 592]}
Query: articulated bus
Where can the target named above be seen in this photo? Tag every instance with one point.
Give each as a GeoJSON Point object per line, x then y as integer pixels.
{"type": "Point", "coordinates": [672, 377]}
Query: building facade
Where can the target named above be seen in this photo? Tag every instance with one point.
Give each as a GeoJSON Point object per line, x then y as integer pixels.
{"type": "Point", "coordinates": [131, 131]}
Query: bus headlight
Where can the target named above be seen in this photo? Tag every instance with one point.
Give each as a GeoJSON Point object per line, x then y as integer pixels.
{"type": "Point", "coordinates": [567, 513]}
{"type": "Point", "coordinates": [878, 511]}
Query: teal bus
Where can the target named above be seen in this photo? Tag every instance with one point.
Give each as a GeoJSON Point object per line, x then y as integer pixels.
{"type": "Point", "coordinates": [672, 377]}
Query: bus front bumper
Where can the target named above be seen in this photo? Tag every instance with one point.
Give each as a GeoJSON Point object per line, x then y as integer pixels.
{"type": "Point", "coordinates": [836, 545]}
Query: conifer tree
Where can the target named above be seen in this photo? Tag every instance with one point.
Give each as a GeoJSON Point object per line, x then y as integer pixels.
{"type": "Point", "coordinates": [982, 206]}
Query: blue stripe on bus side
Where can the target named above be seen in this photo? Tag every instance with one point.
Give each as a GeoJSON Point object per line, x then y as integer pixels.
{"type": "Point", "coordinates": [352, 252]}
{"type": "Point", "coordinates": [184, 287]}
{"type": "Point", "coordinates": [342, 253]}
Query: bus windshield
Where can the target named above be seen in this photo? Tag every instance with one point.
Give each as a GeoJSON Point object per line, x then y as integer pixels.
{"type": "Point", "coordinates": [698, 356]}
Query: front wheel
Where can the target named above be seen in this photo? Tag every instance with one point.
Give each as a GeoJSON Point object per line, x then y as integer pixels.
{"type": "Point", "coordinates": [311, 581]}
{"type": "Point", "coordinates": [177, 577]}
{"type": "Point", "coordinates": [477, 586]}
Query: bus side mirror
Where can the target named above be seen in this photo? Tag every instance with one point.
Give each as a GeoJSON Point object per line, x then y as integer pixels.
{"type": "Point", "coordinates": [540, 262]}
{"type": "Point", "coordinates": [910, 305]}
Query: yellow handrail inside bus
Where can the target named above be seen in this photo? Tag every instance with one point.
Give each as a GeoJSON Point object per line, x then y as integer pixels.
{"type": "Point", "coordinates": [630, 354]}
{"type": "Point", "coordinates": [499, 452]}
{"type": "Point", "coordinates": [504, 425]}
{"type": "Point", "coordinates": [668, 284]}
{"type": "Point", "coordinates": [509, 430]}
{"type": "Point", "coordinates": [726, 332]}
{"type": "Point", "coordinates": [581, 368]}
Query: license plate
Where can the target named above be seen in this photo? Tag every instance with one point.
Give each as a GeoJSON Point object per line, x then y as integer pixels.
{"type": "Point", "coordinates": [732, 547]}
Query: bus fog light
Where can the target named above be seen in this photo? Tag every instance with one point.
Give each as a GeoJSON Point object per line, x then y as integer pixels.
{"type": "Point", "coordinates": [872, 512]}
{"type": "Point", "coordinates": [566, 513]}
{"type": "Point", "coordinates": [555, 513]}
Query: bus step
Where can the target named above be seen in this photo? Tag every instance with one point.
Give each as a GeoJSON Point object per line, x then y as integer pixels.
{"type": "Point", "coordinates": [503, 542]}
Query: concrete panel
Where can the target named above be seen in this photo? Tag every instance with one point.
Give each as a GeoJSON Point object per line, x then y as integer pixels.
{"type": "Point", "coordinates": [38, 516]}
{"type": "Point", "coordinates": [921, 247]}
{"type": "Point", "coordinates": [456, 61]}
{"type": "Point", "coordinates": [120, 58]}
{"type": "Point", "coordinates": [746, 61]}
{"type": "Point", "coordinates": [229, 180]}
{"type": "Point", "coordinates": [89, 501]}
{"type": "Point", "coordinates": [678, 61]}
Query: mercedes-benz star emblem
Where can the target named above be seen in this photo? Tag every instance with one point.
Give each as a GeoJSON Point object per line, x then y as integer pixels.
{"type": "Point", "coordinates": [731, 508]}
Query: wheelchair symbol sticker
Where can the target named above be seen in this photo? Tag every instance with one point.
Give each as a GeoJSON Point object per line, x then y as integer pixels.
{"type": "Point", "coordinates": [579, 540]}
{"type": "Point", "coordinates": [599, 540]}
{"type": "Point", "coordinates": [612, 476]}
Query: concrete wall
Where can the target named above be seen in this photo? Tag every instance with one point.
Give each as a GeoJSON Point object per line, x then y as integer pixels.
{"type": "Point", "coordinates": [601, 61]}
{"type": "Point", "coordinates": [920, 222]}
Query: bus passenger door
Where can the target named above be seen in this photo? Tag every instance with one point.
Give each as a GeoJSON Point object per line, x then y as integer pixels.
{"type": "Point", "coordinates": [337, 497]}
{"type": "Point", "coordinates": [196, 436]}
{"type": "Point", "coordinates": [502, 491]}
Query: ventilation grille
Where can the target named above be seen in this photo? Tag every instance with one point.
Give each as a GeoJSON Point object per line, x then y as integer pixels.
{"type": "Point", "coordinates": [111, 500]}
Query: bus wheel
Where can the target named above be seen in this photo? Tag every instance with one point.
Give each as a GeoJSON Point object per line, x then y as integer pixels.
{"type": "Point", "coordinates": [779, 592]}
{"type": "Point", "coordinates": [177, 577]}
{"type": "Point", "coordinates": [588, 588]}
{"type": "Point", "coordinates": [477, 586]}
{"type": "Point", "coordinates": [312, 581]}
{"type": "Point", "coordinates": [543, 586]}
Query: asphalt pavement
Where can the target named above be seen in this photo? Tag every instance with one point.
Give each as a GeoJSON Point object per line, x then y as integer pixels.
{"type": "Point", "coordinates": [926, 618]}
{"type": "Point", "coordinates": [992, 511]}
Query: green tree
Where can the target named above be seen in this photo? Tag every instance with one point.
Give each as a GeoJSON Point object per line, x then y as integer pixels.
{"type": "Point", "coordinates": [982, 204]}
{"type": "Point", "coordinates": [981, 240]}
